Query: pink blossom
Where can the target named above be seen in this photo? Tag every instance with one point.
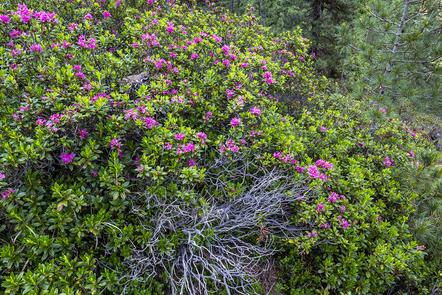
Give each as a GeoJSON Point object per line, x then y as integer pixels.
{"type": "Point", "coordinates": [277, 155]}
{"type": "Point", "coordinates": [180, 136]}
{"type": "Point", "coordinates": [189, 148]}
{"type": "Point", "coordinates": [383, 110]}
{"type": "Point", "coordinates": [194, 56]}
{"type": "Point", "coordinates": [92, 43]}
{"type": "Point", "coordinates": [230, 93]}
{"type": "Point", "coordinates": [333, 197]}
{"type": "Point", "coordinates": [5, 19]}
{"type": "Point", "coordinates": [40, 121]}
{"type": "Point", "coordinates": [217, 39]}
{"type": "Point", "coordinates": [191, 163]}
{"type": "Point", "coordinates": [411, 154]}
{"type": "Point", "coordinates": [324, 225]}
{"type": "Point", "coordinates": [323, 129]}
{"type": "Point", "coordinates": [300, 169]}
{"type": "Point", "coordinates": [83, 133]}
{"type": "Point", "coordinates": [170, 28]}
{"type": "Point", "coordinates": [388, 162]}
{"type": "Point", "coordinates": [88, 16]}
{"type": "Point", "coordinates": [255, 111]}
{"type": "Point", "coordinates": [7, 193]}
{"type": "Point", "coordinates": [207, 116]}
{"type": "Point", "coordinates": [115, 143]}
{"type": "Point", "coordinates": [106, 14]}
{"type": "Point", "coordinates": [36, 48]}
{"type": "Point", "coordinates": [324, 164]}
{"type": "Point", "coordinates": [2, 176]}
{"type": "Point", "coordinates": [150, 122]}
{"type": "Point", "coordinates": [312, 234]}
{"type": "Point", "coordinates": [268, 77]}
{"type": "Point", "coordinates": [202, 136]}
{"type": "Point", "coordinates": [67, 158]}
{"type": "Point", "coordinates": [344, 223]}
{"type": "Point", "coordinates": [323, 177]}
{"type": "Point", "coordinates": [342, 209]}
{"type": "Point", "coordinates": [167, 146]}
{"type": "Point", "coordinates": [313, 171]}
{"type": "Point", "coordinates": [320, 207]}
{"type": "Point", "coordinates": [235, 122]}
{"type": "Point", "coordinates": [14, 33]}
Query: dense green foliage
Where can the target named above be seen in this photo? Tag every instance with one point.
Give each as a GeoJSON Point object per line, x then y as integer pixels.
{"type": "Point", "coordinates": [389, 50]}
{"type": "Point", "coordinates": [113, 183]}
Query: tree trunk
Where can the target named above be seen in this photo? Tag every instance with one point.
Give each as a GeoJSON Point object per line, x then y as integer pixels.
{"type": "Point", "coordinates": [399, 31]}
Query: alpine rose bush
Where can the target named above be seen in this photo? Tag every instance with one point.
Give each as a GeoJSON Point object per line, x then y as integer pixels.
{"type": "Point", "coordinates": [120, 123]}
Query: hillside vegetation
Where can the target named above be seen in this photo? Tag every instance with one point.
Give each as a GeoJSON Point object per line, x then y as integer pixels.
{"type": "Point", "coordinates": [154, 147]}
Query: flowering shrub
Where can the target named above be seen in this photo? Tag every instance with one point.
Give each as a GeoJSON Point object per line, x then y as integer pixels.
{"type": "Point", "coordinates": [119, 124]}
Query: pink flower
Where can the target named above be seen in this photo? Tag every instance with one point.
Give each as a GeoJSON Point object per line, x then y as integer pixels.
{"type": "Point", "coordinates": [255, 111]}
{"type": "Point", "coordinates": [191, 163]}
{"type": "Point", "coordinates": [167, 146]}
{"type": "Point", "coordinates": [67, 158]}
{"type": "Point", "coordinates": [189, 148]}
{"type": "Point", "coordinates": [230, 93]}
{"type": "Point", "coordinates": [268, 77]}
{"type": "Point", "coordinates": [313, 171]}
{"type": "Point", "coordinates": [333, 197]}
{"type": "Point", "coordinates": [323, 129]}
{"type": "Point", "coordinates": [7, 193]}
{"type": "Point", "coordinates": [235, 122]}
{"type": "Point", "coordinates": [225, 49]}
{"type": "Point", "coordinates": [207, 116]}
{"type": "Point", "coordinates": [180, 136]}
{"type": "Point", "coordinates": [14, 33]}
{"type": "Point", "coordinates": [344, 223]}
{"type": "Point", "coordinates": [202, 136]}
{"type": "Point", "coordinates": [106, 14]}
{"type": "Point", "coordinates": [320, 207]}
{"type": "Point", "coordinates": [342, 209]}
{"type": "Point", "coordinates": [36, 48]}
{"type": "Point", "coordinates": [411, 154]}
{"type": "Point", "coordinates": [324, 225]}
{"type": "Point", "coordinates": [115, 143]}
{"type": "Point", "coordinates": [312, 234]}
{"type": "Point", "coordinates": [217, 39]}
{"type": "Point", "coordinates": [277, 155]}
{"type": "Point", "coordinates": [388, 162]}
{"type": "Point", "coordinates": [40, 121]}
{"type": "Point", "coordinates": [2, 176]}
{"type": "Point", "coordinates": [88, 16]}
{"type": "Point", "coordinates": [194, 56]}
{"type": "Point", "coordinates": [92, 43]}
{"type": "Point", "coordinates": [324, 164]}
{"type": "Point", "coordinates": [150, 122]}
{"type": "Point", "coordinates": [300, 169]}
{"type": "Point", "coordinates": [323, 177]}
{"type": "Point", "coordinates": [170, 28]}
{"type": "Point", "coordinates": [83, 133]}
{"type": "Point", "coordinates": [5, 19]}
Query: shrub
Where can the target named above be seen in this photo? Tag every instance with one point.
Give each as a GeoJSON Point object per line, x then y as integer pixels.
{"type": "Point", "coordinates": [132, 139]}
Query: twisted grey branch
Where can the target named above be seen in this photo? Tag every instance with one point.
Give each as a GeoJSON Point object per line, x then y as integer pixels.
{"type": "Point", "coordinates": [222, 245]}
